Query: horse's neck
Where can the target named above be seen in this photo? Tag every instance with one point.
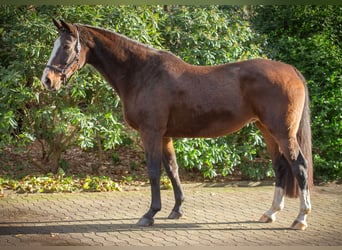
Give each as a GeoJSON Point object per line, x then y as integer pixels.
{"type": "Point", "coordinates": [116, 58]}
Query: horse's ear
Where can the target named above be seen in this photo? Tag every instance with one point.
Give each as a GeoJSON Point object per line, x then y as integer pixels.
{"type": "Point", "coordinates": [67, 26]}
{"type": "Point", "coordinates": [56, 23]}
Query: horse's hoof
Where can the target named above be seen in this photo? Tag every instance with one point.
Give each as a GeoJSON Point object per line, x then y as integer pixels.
{"type": "Point", "coordinates": [264, 218]}
{"type": "Point", "coordinates": [297, 225]}
{"type": "Point", "coordinates": [145, 222]}
{"type": "Point", "coordinates": [175, 215]}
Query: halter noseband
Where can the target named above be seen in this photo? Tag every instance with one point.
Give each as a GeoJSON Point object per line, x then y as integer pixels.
{"type": "Point", "coordinates": [64, 70]}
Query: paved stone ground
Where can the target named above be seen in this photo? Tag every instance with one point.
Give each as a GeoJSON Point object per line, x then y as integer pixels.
{"type": "Point", "coordinates": [214, 216]}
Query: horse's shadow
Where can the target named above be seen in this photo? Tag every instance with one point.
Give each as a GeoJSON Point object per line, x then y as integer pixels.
{"type": "Point", "coordinates": [112, 225]}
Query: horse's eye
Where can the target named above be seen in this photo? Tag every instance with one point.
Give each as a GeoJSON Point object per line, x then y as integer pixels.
{"type": "Point", "coordinates": [65, 47]}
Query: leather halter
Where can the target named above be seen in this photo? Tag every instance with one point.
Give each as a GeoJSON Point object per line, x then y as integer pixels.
{"type": "Point", "coordinates": [64, 70]}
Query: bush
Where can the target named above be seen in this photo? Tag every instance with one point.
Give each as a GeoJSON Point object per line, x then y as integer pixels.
{"type": "Point", "coordinates": [88, 113]}
{"type": "Point", "coordinates": [82, 115]}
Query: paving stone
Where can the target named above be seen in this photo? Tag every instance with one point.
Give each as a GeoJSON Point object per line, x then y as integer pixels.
{"type": "Point", "coordinates": [214, 216]}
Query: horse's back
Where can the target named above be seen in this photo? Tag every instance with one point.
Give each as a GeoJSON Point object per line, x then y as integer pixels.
{"type": "Point", "coordinates": [213, 101]}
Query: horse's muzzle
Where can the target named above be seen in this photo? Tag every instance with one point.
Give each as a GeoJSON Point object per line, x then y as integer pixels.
{"type": "Point", "coordinates": [47, 83]}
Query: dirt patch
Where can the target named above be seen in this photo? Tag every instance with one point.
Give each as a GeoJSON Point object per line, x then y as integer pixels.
{"type": "Point", "coordinates": [122, 164]}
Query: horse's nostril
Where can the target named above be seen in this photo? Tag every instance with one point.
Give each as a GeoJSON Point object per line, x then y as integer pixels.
{"type": "Point", "coordinates": [47, 82]}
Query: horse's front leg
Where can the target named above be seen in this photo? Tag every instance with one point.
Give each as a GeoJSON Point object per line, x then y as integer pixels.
{"type": "Point", "coordinates": [153, 150]}
{"type": "Point", "coordinates": [171, 167]}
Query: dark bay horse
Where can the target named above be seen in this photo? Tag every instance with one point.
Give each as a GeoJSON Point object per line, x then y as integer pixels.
{"type": "Point", "coordinates": [164, 97]}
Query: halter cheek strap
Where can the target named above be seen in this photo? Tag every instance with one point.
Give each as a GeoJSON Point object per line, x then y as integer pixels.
{"type": "Point", "coordinates": [64, 70]}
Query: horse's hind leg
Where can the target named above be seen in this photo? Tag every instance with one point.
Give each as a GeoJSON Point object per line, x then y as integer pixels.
{"type": "Point", "coordinates": [279, 165]}
{"type": "Point", "coordinates": [299, 167]}
{"type": "Point", "coordinates": [171, 167]}
{"type": "Point", "coordinates": [289, 163]}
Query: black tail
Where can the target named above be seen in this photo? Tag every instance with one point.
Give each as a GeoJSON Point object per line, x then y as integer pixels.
{"type": "Point", "coordinates": [304, 134]}
{"type": "Point", "coordinates": [304, 140]}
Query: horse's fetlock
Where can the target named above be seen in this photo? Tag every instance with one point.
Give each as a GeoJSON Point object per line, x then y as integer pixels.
{"type": "Point", "coordinates": [156, 209]}
{"type": "Point", "coordinates": [307, 210]}
{"type": "Point", "coordinates": [279, 208]}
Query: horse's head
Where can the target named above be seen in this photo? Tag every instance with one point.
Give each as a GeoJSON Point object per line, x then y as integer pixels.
{"type": "Point", "coordinates": [66, 57]}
